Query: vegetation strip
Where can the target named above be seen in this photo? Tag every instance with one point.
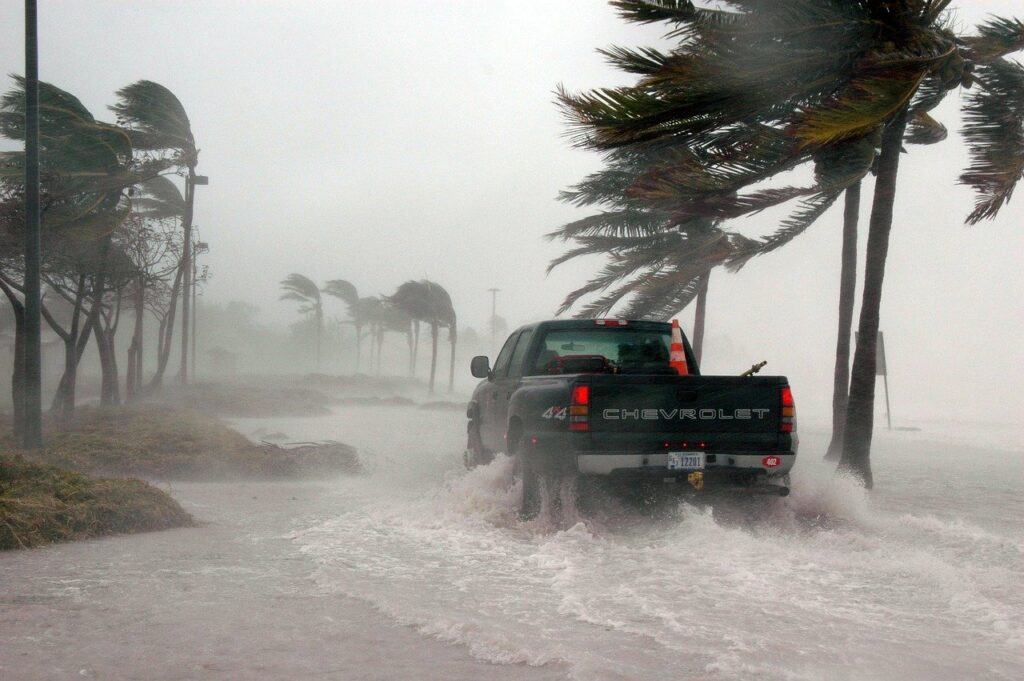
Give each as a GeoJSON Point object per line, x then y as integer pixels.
{"type": "Point", "coordinates": [42, 504]}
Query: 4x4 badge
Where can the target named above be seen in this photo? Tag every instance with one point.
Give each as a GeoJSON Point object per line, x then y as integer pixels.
{"type": "Point", "coordinates": [556, 413]}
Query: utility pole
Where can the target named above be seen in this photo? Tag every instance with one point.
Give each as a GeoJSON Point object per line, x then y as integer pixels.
{"type": "Point", "coordinates": [197, 249]}
{"type": "Point", "coordinates": [494, 313]}
{"type": "Point", "coordinates": [32, 437]}
{"type": "Point", "coordinates": [191, 181]}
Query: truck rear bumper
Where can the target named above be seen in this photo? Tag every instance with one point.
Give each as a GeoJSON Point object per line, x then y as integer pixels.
{"type": "Point", "coordinates": [657, 463]}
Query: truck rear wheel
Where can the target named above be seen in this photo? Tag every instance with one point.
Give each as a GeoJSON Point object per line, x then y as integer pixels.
{"type": "Point", "coordinates": [526, 470]}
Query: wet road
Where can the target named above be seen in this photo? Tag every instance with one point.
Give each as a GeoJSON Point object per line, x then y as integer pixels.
{"type": "Point", "coordinates": [420, 570]}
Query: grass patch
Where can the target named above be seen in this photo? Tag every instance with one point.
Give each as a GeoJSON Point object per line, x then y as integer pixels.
{"type": "Point", "coordinates": [42, 504]}
{"type": "Point", "coordinates": [167, 443]}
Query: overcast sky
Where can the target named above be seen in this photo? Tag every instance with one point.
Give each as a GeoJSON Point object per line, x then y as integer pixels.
{"type": "Point", "coordinates": [379, 142]}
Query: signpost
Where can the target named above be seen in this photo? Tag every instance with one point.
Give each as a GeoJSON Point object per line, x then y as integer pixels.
{"type": "Point", "coordinates": [882, 370]}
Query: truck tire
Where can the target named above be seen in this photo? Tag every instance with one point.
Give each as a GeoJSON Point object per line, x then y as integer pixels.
{"type": "Point", "coordinates": [526, 469]}
{"type": "Point", "coordinates": [476, 453]}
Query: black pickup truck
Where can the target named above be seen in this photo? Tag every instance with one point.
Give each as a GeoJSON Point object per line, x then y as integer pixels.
{"type": "Point", "coordinates": [600, 397]}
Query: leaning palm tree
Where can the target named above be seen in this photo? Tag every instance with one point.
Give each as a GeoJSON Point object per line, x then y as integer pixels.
{"type": "Point", "coordinates": [158, 124]}
{"type": "Point", "coordinates": [428, 302]}
{"type": "Point", "coordinates": [662, 262]}
{"type": "Point", "coordinates": [347, 293]}
{"type": "Point", "coordinates": [368, 311]}
{"type": "Point", "coordinates": [85, 171]}
{"type": "Point", "coordinates": [155, 199]}
{"type": "Point", "coordinates": [820, 73]}
{"type": "Point", "coordinates": [302, 289]}
{"type": "Point", "coordinates": [390, 318]}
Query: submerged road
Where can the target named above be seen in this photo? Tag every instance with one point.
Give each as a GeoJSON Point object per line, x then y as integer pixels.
{"type": "Point", "coordinates": [419, 570]}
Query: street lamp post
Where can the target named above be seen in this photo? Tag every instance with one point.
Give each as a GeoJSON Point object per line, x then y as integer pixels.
{"type": "Point", "coordinates": [191, 182]}
{"type": "Point", "coordinates": [198, 249]}
{"type": "Point", "coordinates": [32, 408]}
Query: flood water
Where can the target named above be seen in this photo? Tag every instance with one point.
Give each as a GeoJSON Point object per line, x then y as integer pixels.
{"type": "Point", "coordinates": [421, 570]}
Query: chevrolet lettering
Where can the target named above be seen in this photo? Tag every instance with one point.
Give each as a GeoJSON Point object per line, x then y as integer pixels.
{"type": "Point", "coordinates": [625, 400]}
{"type": "Point", "coordinates": [684, 414]}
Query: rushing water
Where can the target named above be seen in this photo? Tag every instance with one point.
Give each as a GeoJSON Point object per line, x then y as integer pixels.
{"type": "Point", "coordinates": [919, 579]}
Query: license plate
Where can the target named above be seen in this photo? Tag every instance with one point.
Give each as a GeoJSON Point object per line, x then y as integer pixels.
{"type": "Point", "coordinates": [685, 461]}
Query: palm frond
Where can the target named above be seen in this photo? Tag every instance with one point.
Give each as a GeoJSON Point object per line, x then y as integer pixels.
{"type": "Point", "coordinates": [994, 132]}
{"type": "Point", "coordinates": [923, 129]}
{"type": "Point", "coordinates": [859, 108]}
{"type": "Point", "coordinates": [299, 287]}
{"type": "Point", "coordinates": [651, 11]}
{"type": "Point", "coordinates": [156, 119]}
{"type": "Point", "coordinates": [793, 226]}
{"type": "Point", "coordinates": [344, 290]}
{"type": "Point", "coordinates": [997, 37]}
{"type": "Point", "coordinates": [158, 197]}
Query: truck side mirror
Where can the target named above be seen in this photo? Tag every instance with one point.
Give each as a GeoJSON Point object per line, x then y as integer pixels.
{"type": "Point", "coordinates": [480, 367]}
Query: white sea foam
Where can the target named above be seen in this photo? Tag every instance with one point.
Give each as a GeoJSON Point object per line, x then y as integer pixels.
{"type": "Point", "coordinates": [831, 582]}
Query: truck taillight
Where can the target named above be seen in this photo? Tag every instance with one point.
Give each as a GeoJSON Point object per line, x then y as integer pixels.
{"type": "Point", "coordinates": [788, 422]}
{"type": "Point", "coordinates": [579, 408]}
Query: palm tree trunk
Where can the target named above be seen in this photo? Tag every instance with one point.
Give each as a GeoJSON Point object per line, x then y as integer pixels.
{"type": "Point", "coordinates": [110, 392]}
{"type": "Point", "coordinates": [359, 345]}
{"type": "Point", "coordinates": [371, 334]}
{"type": "Point", "coordinates": [412, 359]}
{"type": "Point", "coordinates": [167, 326]}
{"type": "Point", "coordinates": [415, 346]}
{"type": "Point", "coordinates": [700, 315]}
{"type": "Point", "coordinates": [319, 332]}
{"type": "Point", "coordinates": [451, 369]}
{"type": "Point", "coordinates": [133, 379]}
{"type": "Point", "coordinates": [433, 354]}
{"type": "Point", "coordinates": [63, 401]}
{"type": "Point", "coordinates": [847, 292]}
{"type": "Point", "coordinates": [856, 457]}
{"type": "Point", "coordinates": [380, 346]}
{"type": "Point", "coordinates": [18, 371]}
{"type": "Point", "coordinates": [18, 375]}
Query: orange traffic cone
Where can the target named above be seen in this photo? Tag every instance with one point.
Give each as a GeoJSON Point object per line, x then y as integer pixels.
{"type": "Point", "coordinates": [676, 355]}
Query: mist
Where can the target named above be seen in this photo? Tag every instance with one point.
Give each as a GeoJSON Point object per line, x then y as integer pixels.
{"type": "Point", "coordinates": [421, 141]}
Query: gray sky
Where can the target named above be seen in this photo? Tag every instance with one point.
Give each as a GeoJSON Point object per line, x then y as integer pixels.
{"type": "Point", "coordinates": [379, 142]}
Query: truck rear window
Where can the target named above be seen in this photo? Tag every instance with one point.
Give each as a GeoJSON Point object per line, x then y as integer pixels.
{"type": "Point", "coordinates": [603, 351]}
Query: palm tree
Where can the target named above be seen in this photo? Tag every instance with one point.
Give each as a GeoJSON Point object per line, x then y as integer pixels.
{"type": "Point", "coordinates": [662, 262]}
{"type": "Point", "coordinates": [392, 318]}
{"type": "Point", "coordinates": [85, 172]}
{"type": "Point", "coordinates": [157, 122]}
{"type": "Point", "coordinates": [347, 293]}
{"type": "Point", "coordinates": [300, 288]}
{"type": "Point", "coordinates": [428, 302]}
{"type": "Point", "coordinates": [819, 73]}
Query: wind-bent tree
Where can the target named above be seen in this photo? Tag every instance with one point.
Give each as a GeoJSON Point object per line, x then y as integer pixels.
{"type": "Point", "coordinates": [302, 289]}
{"type": "Point", "coordinates": [661, 262]}
{"type": "Point", "coordinates": [820, 74]}
{"type": "Point", "coordinates": [86, 167]}
{"type": "Point", "coordinates": [394, 319]}
{"type": "Point", "coordinates": [159, 209]}
{"type": "Point", "coordinates": [347, 293]}
{"type": "Point", "coordinates": [158, 124]}
{"type": "Point", "coordinates": [152, 241]}
{"type": "Point", "coordinates": [428, 302]}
